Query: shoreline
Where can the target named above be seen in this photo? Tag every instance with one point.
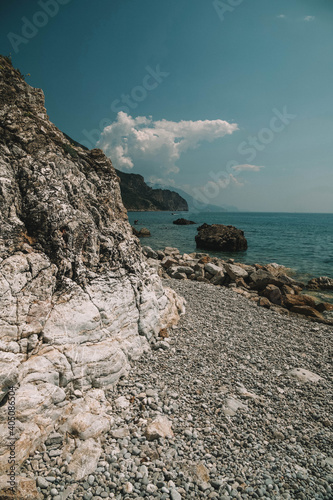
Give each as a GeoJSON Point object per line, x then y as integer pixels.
{"type": "Point", "coordinates": [301, 242]}
{"type": "Point", "coordinates": [271, 285]}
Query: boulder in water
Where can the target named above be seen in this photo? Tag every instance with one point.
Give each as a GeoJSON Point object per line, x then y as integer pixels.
{"type": "Point", "coordinates": [220, 237]}
{"type": "Point", "coordinates": [183, 222]}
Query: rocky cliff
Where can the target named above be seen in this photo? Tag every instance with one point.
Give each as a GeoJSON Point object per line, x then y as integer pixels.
{"type": "Point", "coordinates": [78, 300]}
{"type": "Point", "coordinates": [137, 196]}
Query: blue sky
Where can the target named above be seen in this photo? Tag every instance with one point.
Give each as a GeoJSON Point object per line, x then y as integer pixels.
{"type": "Point", "coordinates": [230, 100]}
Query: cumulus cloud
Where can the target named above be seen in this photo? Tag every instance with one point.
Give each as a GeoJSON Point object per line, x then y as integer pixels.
{"type": "Point", "coordinates": [247, 167]}
{"type": "Point", "coordinates": [309, 18]}
{"type": "Point", "coordinates": [281, 16]}
{"type": "Point", "coordinates": [161, 142]}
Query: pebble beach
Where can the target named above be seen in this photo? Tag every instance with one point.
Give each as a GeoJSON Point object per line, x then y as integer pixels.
{"type": "Point", "coordinates": [247, 395]}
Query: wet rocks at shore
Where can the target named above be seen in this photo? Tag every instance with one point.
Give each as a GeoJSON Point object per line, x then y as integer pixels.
{"type": "Point", "coordinates": [141, 233]}
{"type": "Point", "coordinates": [220, 237]}
{"type": "Point", "coordinates": [269, 286]}
{"type": "Point", "coordinates": [322, 283]}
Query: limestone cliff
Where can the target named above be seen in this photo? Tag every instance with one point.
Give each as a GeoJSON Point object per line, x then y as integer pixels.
{"type": "Point", "coordinates": [77, 298]}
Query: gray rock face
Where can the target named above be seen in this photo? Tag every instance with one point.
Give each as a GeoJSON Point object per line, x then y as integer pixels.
{"type": "Point", "coordinates": [77, 299]}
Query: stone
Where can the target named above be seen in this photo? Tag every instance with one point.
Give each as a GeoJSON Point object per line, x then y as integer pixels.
{"type": "Point", "coordinates": [178, 276]}
{"type": "Point", "coordinates": [264, 302]}
{"type": "Point", "coordinates": [273, 294]}
{"type": "Point", "coordinates": [174, 495]}
{"type": "Point", "coordinates": [183, 269]}
{"type": "Point", "coordinates": [201, 473]}
{"type": "Point", "coordinates": [183, 222]}
{"type": "Point", "coordinates": [128, 487]}
{"type": "Point", "coordinates": [171, 251]}
{"type": "Point", "coordinates": [149, 252]}
{"type": "Point", "coordinates": [122, 402]}
{"type": "Point", "coordinates": [291, 301]}
{"type": "Point", "coordinates": [236, 272]}
{"type": "Point", "coordinates": [244, 393]}
{"type": "Point", "coordinates": [220, 237]}
{"type": "Point", "coordinates": [85, 425]}
{"type": "Point", "coordinates": [232, 405]}
{"type": "Point", "coordinates": [120, 433]}
{"type": "Point", "coordinates": [324, 307]}
{"type": "Point", "coordinates": [85, 459]}
{"type": "Point", "coordinates": [42, 482]}
{"type": "Point", "coordinates": [203, 258]}
{"type": "Point", "coordinates": [204, 486]}
{"type": "Point", "coordinates": [159, 428]}
{"type": "Point", "coordinates": [25, 489]}
{"type": "Point", "coordinates": [168, 262]}
{"type": "Point", "coordinates": [219, 278]}
{"type": "Point", "coordinates": [151, 488]}
{"type": "Point", "coordinates": [304, 375]}
{"type": "Point", "coordinates": [307, 311]}
{"type": "Point", "coordinates": [144, 232]}
{"type": "Point", "coordinates": [213, 269]}
{"type": "Point", "coordinates": [260, 278]}
{"type": "Point", "coordinates": [322, 283]}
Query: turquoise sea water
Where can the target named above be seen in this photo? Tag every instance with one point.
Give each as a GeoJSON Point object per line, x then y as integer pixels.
{"type": "Point", "coordinates": [302, 242]}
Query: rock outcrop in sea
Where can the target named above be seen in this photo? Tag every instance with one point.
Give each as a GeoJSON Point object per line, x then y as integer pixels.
{"type": "Point", "coordinates": [220, 237]}
{"type": "Point", "coordinates": [183, 222]}
{"type": "Point", "coordinates": [77, 298]}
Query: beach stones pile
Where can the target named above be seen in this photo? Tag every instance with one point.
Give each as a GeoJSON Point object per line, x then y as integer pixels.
{"type": "Point", "coordinates": [269, 286]}
{"type": "Point", "coordinates": [234, 402]}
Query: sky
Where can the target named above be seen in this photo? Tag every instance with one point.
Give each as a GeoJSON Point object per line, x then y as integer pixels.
{"type": "Point", "coordinates": [229, 100]}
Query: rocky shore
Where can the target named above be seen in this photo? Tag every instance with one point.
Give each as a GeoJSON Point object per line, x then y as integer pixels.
{"type": "Point", "coordinates": [240, 401]}
{"type": "Point", "coordinates": [269, 286]}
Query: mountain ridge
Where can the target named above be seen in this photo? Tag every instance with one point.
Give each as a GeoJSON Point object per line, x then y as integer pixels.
{"type": "Point", "coordinates": [138, 196]}
{"type": "Point", "coordinates": [195, 205]}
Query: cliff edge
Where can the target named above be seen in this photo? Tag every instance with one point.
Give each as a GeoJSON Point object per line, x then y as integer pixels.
{"type": "Point", "coordinates": [78, 300]}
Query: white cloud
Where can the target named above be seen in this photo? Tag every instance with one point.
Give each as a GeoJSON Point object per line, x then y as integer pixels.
{"type": "Point", "coordinates": [281, 16]}
{"type": "Point", "coordinates": [247, 167]}
{"type": "Point", "coordinates": [236, 182]}
{"type": "Point", "coordinates": [160, 181]}
{"type": "Point", "coordinates": [309, 18]}
{"type": "Point", "coordinates": [160, 143]}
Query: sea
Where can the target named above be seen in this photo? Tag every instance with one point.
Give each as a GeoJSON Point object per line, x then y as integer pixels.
{"type": "Point", "coordinates": [301, 242]}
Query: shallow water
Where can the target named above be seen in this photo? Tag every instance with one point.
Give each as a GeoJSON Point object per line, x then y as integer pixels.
{"type": "Point", "coordinates": [302, 242]}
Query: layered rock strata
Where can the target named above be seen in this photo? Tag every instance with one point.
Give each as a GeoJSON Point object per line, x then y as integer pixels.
{"type": "Point", "coordinates": [78, 300]}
